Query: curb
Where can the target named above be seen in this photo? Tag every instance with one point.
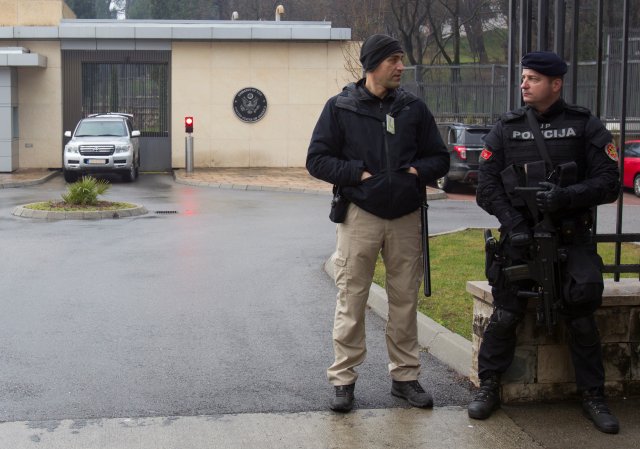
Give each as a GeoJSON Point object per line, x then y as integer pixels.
{"type": "Point", "coordinates": [450, 348]}
{"type": "Point", "coordinates": [31, 182]}
{"type": "Point", "coordinates": [24, 212]}
{"type": "Point", "coordinates": [180, 178]}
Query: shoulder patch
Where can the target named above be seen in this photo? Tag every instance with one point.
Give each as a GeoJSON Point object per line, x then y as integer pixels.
{"type": "Point", "coordinates": [486, 154]}
{"type": "Point", "coordinates": [611, 151]}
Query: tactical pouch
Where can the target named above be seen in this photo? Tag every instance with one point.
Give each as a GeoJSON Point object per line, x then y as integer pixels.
{"type": "Point", "coordinates": [339, 206]}
{"type": "Point", "coordinates": [492, 265]}
{"type": "Point", "coordinates": [582, 280]}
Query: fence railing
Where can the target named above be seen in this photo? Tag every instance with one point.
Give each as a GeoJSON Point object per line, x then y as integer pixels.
{"type": "Point", "coordinates": [474, 93]}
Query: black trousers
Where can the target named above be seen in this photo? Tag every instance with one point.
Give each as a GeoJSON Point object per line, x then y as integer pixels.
{"type": "Point", "coordinates": [582, 286]}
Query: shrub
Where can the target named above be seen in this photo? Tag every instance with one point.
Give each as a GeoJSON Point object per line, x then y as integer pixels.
{"type": "Point", "coordinates": [85, 191]}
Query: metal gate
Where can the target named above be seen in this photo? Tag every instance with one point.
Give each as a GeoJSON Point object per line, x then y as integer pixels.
{"type": "Point", "coordinates": [135, 82]}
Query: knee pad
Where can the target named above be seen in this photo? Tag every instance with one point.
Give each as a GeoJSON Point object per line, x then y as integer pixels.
{"type": "Point", "coordinates": [584, 331]}
{"type": "Point", "coordinates": [587, 295]}
{"type": "Point", "coordinates": [503, 323]}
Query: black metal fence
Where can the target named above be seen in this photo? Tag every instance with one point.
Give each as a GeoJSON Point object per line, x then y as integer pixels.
{"type": "Point", "coordinates": [474, 93]}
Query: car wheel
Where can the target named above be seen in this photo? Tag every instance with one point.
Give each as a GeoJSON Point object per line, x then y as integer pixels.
{"type": "Point", "coordinates": [131, 174]}
{"type": "Point", "coordinates": [70, 176]}
{"type": "Point", "coordinates": [636, 185]}
{"type": "Point", "coordinates": [444, 183]}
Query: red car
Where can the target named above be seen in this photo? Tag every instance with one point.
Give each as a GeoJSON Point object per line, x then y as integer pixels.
{"type": "Point", "coordinates": [632, 165]}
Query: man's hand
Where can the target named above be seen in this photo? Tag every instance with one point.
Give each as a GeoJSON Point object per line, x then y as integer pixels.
{"type": "Point", "coordinates": [365, 174]}
{"type": "Point", "coordinates": [412, 170]}
{"type": "Point", "coordinates": [553, 198]}
{"type": "Point", "coordinates": [520, 235]}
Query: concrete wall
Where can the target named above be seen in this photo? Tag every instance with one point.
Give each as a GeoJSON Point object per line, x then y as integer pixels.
{"type": "Point", "coordinates": [296, 78]}
{"type": "Point", "coordinates": [40, 108]}
{"type": "Point", "coordinates": [34, 12]}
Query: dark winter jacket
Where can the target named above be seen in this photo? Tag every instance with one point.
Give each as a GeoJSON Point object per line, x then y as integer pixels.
{"type": "Point", "coordinates": [571, 133]}
{"type": "Point", "coordinates": [352, 135]}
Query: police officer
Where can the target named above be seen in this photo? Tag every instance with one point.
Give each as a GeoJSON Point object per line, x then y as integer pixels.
{"type": "Point", "coordinates": [381, 146]}
{"type": "Point", "coordinates": [570, 133]}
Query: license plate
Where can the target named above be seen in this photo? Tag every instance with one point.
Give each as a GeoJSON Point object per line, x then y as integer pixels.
{"type": "Point", "coordinates": [96, 161]}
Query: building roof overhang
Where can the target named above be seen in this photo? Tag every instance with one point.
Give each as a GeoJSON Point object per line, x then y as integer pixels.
{"type": "Point", "coordinates": [175, 30]}
{"type": "Point", "coordinates": [21, 57]}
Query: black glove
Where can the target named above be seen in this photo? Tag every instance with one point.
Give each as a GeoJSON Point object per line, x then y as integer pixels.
{"type": "Point", "coordinates": [552, 199]}
{"type": "Point", "coordinates": [520, 235]}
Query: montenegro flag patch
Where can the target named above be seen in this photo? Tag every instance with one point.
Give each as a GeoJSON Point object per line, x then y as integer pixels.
{"type": "Point", "coordinates": [612, 151]}
{"type": "Point", "coordinates": [486, 154]}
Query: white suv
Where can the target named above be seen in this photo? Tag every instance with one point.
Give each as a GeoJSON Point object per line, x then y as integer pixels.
{"type": "Point", "coordinates": [102, 143]}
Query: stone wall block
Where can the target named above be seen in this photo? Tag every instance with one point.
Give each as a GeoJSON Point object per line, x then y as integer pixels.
{"type": "Point", "coordinates": [537, 392]}
{"type": "Point", "coordinates": [613, 324]}
{"type": "Point", "coordinates": [523, 368]}
{"type": "Point", "coordinates": [632, 388]}
{"type": "Point", "coordinates": [617, 361]}
{"type": "Point", "coordinates": [554, 364]}
{"type": "Point", "coordinates": [634, 324]}
{"type": "Point", "coordinates": [529, 333]}
{"type": "Point", "coordinates": [634, 349]}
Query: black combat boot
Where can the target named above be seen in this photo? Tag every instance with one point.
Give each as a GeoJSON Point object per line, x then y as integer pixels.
{"type": "Point", "coordinates": [413, 392]}
{"type": "Point", "coordinates": [596, 409]}
{"type": "Point", "coordinates": [343, 400]}
{"type": "Point", "coordinates": [487, 399]}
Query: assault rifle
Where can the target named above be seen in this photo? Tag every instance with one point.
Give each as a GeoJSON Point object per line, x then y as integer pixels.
{"type": "Point", "coordinates": [543, 266]}
{"type": "Point", "coordinates": [546, 257]}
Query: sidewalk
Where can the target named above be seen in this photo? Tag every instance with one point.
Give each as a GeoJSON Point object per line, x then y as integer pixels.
{"type": "Point", "coordinates": [556, 426]}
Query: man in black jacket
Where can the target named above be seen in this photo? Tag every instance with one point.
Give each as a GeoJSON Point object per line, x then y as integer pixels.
{"type": "Point", "coordinates": [380, 146]}
{"type": "Point", "coordinates": [572, 138]}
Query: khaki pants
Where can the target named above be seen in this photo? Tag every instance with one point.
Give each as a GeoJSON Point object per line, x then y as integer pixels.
{"type": "Point", "coordinates": [359, 241]}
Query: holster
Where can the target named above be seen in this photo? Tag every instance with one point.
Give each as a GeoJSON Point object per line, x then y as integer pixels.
{"type": "Point", "coordinates": [492, 260]}
{"type": "Point", "coordinates": [339, 206]}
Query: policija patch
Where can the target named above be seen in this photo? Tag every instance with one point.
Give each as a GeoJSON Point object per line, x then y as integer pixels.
{"type": "Point", "coordinates": [486, 154]}
{"type": "Point", "coordinates": [612, 151]}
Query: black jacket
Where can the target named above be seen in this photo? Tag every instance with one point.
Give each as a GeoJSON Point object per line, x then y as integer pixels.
{"type": "Point", "coordinates": [352, 136]}
{"type": "Point", "coordinates": [571, 133]}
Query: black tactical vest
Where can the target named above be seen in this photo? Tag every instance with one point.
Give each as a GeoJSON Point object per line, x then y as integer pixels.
{"type": "Point", "coordinates": [564, 137]}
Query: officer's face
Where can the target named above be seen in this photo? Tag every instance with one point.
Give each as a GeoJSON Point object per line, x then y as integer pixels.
{"type": "Point", "coordinates": [539, 91]}
{"type": "Point", "coordinates": [388, 73]}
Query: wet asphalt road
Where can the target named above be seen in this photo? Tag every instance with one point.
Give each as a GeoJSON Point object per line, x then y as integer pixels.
{"type": "Point", "coordinates": [221, 307]}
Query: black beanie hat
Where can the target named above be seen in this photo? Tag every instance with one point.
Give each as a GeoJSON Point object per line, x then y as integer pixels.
{"type": "Point", "coordinates": [376, 48]}
{"type": "Point", "coordinates": [545, 62]}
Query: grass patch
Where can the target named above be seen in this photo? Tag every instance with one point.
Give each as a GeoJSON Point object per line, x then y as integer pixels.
{"type": "Point", "coordinates": [459, 257]}
{"type": "Point", "coordinates": [61, 206]}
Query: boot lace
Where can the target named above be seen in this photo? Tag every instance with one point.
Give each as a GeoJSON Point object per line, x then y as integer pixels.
{"type": "Point", "coordinates": [597, 404]}
{"type": "Point", "coordinates": [416, 386]}
{"type": "Point", "coordinates": [487, 390]}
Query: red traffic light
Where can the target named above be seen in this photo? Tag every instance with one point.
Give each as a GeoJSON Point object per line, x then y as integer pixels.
{"type": "Point", "coordinates": [188, 124]}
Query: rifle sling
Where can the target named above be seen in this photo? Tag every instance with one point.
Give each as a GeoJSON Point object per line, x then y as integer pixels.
{"type": "Point", "coordinates": [537, 136]}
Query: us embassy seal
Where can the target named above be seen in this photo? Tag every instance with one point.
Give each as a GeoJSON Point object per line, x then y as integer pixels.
{"type": "Point", "coordinates": [250, 104]}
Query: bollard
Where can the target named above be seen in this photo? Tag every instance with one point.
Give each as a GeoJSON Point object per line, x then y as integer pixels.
{"type": "Point", "coordinates": [188, 153]}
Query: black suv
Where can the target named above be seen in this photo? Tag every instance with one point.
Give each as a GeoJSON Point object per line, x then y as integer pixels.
{"type": "Point", "coordinates": [465, 143]}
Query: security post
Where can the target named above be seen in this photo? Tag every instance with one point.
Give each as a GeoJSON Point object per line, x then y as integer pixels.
{"type": "Point", "coordinates": [188, 145]}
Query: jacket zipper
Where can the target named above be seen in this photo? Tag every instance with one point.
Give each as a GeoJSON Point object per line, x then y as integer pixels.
{"type": "Point", "coordinates": [386, 142]}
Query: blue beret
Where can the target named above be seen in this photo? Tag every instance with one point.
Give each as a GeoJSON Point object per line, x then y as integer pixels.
{"type": "Point", "coordinates": [545, 62]}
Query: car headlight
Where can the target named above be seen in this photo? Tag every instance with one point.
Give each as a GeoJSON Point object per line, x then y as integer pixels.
{"type": "Point", "coordinates": [71, 149]}
{"type": "Point", "coordinates": [123, 148]}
